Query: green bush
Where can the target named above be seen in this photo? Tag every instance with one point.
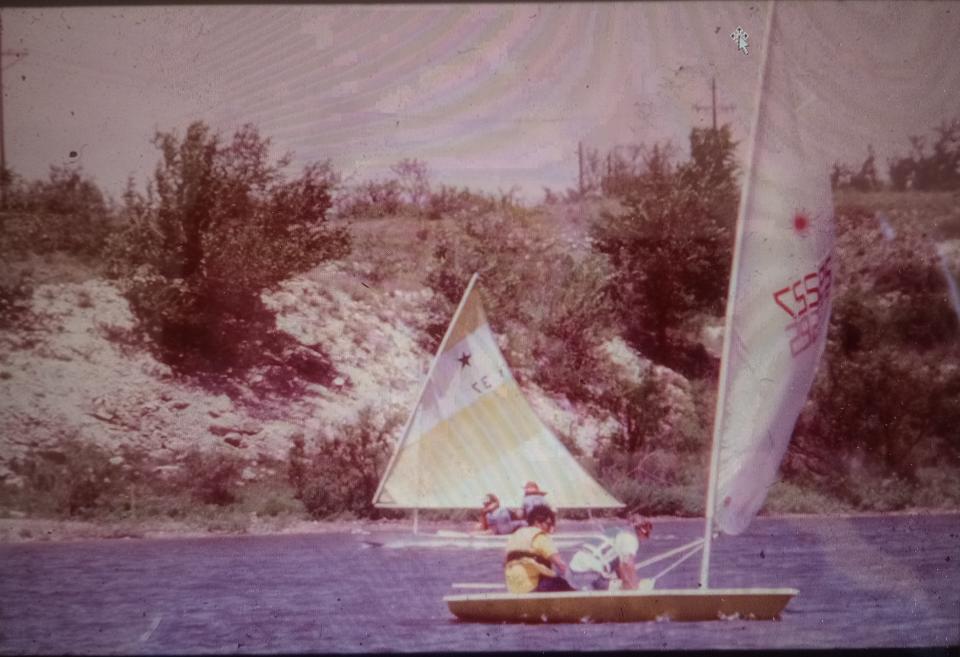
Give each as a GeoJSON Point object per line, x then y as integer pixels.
{"type": "Point", "coordinates": [15, 294]}
{"type": "Point", "coordinates": [843, 176]}
{"type": "Point", "coordinates": [67, 212]}
{"type": "Point", "coordinates": [888, 389]}
{"type": "Point", "coordinates": [937, 487]}
{"type": "Point", "coordinates": [211, 478]}
{"type": "Point", "coordinates": [70, 479]}
{"type": "Point", "coordinates": [551, 305]}
{"type": "Point", "coordinates": [790, 497]}
{"type": "Point", "coordinates": [371, 199]}
{"type": "Point", "coordinates": [341, 476]}
{"type": "Point", "coordinates": [459, 203]}
{"type": "Point", "coordinates": [220, 223]}
{"type": "Point", "coordinates": [654, 498]}
{"type": "Point", "coordinates": [938, 170]}
{"type": "Point", "coordinates": [667, 246]}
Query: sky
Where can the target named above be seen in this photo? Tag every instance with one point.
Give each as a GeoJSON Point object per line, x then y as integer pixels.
{"type": "Point", "coordinates": [488, 95]}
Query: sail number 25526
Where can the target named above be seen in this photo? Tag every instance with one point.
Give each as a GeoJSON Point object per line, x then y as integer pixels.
{"type": "Point", "coordinates": [805, 300]}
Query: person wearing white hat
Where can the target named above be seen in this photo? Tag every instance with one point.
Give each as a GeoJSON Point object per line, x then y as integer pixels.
{"type": "Point", "coordinates": [532, 497]}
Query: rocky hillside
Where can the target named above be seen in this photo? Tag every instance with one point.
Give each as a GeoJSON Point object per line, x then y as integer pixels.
{"type": "Point", "coordinates": [77, 372]}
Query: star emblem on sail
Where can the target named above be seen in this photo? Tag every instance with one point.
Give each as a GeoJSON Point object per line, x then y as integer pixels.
{"type": "Point", "coordinates": [472, 432]}
{"type": "Point", "coordinates": [779, 289]}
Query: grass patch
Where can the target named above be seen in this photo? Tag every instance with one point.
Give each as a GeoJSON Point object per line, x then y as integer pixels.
{"type": "Point", "coordinates": [939, 212]}
{"type": "Point", "coordinates": [789, 497]}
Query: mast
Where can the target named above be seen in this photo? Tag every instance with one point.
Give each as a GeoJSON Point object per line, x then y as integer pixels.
{"type": "Point", "coordinates": [728, 322]}
{"type": "Point", "coordinates": [423, 389]}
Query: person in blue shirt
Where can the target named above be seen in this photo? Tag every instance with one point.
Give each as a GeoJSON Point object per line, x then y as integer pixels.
{"type": "Point", "coordinates": [497, 519]}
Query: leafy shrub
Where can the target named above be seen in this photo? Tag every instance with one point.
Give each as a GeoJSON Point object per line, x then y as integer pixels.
{"type": "Point", "coordinates": [211, 477]}
{"type": "Point", "coordinates": [459, 203]}
{"type": "Point", "coordinates": [888, 388]}
{"type": "Point", "coordinates": [656, 498]}
{"type": "Point", "coordinates": [843, 177]}
{"type": "Point", "coordinates": [220, 224]}
{"type": "Point", "coordinates": [371, 199]}
{"type": "Point", "coordinates": [15, 294]}
{"type": "Point", "coordinates": [655, 461]}
{"type": "Point", "coordinates": [67, 212]}
{"type": "Point", "coordinates": [937, 170]}
{"type": "Point", "coordinates": [414, 179]}
{"type": "Point", "coordinates": [341, 476]}
{"type": "Point", "coordinates": [790, 497]}
{"type": "Point", "coordinates": [667, 246]}
{"type": "Point", "coordinates": [407, 193]}
{"type": "Point", "coordinates": [550, 305]}
{"type": "Point", "coordinates": [71, 478]}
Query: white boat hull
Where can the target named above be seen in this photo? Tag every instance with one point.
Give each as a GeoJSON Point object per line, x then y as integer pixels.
{"type": "Point", "coordinates": [466, 540]}
{"type": "Point", "coordinates": [621, 606]}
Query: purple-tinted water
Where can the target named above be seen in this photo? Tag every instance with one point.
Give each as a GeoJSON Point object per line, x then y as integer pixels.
{"type": "Point", "coordinates": [879, 581]}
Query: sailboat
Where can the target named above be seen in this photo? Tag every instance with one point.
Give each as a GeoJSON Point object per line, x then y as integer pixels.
{"type": "Point", "coordinates": [777, 312]}
{"type": "Point", "coordinates": [472, 432]}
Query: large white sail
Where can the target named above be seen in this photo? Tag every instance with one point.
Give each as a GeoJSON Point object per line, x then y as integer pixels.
{"type": "Point", "coordinates": [473, 433]}
{"type": "Point", "coordinates": [779, 302]}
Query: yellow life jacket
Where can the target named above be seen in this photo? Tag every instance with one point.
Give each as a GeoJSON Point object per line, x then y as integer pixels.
{"type": "Point", "coordinates": [520, 549]}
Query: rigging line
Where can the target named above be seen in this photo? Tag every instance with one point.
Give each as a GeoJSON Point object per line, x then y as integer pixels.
{"type": "Point", "coordinates": [669, 553]}
{"type": "Point", "coordinates": [677, 562]}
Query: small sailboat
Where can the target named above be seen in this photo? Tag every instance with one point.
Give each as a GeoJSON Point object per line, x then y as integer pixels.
{"type": "Point", "coordinates": [472, 432]}
{"type": "Point", "coordinates": [778, 308]}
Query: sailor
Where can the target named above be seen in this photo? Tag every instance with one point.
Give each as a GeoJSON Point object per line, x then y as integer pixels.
{"type": "Point", "coordinates": [532, 563]}
{"type": "Point", "coordinates": [532, 497]}
{"type": "Point", "coordinates": [496, 518]}
{"type": "Point", "coordinates": [612, 560]}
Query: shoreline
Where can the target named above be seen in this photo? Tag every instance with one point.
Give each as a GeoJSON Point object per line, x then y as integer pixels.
{"type": "Point", "coordinates": [15, 531]}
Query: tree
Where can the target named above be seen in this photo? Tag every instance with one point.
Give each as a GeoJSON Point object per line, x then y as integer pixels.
{"type": "Point", "coordinates": [414, 180]}
{"type": "Point", "coordinates": [940, 170]}
{"type": "Point", "coordinates": [888, 394]}
{"type": "Point", "coordinates": [670, 248]}
{"type": "Point", "coordinates": [221, 223]}
{"type": "Point", "coordinates": [844, 177]}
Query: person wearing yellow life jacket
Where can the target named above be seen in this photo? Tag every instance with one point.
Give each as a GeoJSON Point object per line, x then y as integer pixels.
{"type": "Point", "coordinates": [532, 563]}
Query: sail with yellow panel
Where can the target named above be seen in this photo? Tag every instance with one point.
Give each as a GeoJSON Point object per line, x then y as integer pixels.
{"type": "Point", "coordinates": [472, 432]}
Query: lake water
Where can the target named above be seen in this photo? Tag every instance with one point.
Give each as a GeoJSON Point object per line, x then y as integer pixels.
{"type": "Point", "coordinates": [864, 582]}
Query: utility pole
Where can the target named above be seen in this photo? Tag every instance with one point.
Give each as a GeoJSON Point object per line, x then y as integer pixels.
{"type": "Point", "coordinates": [713, 96]}
{"type": "Point", "coordinates": [713, 106]}
{"type": "Point", "coordinates": [3, 151]}
{"type": "Point", "coordinates": [580, 165]}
